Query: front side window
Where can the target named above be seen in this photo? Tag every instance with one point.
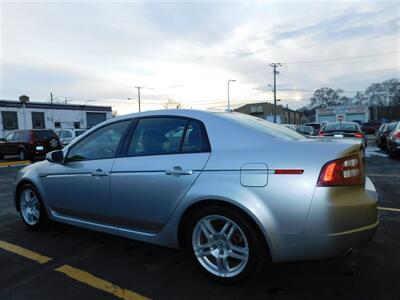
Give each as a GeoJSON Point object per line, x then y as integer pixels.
{"type": "Point", "coordinates": [101, 144]}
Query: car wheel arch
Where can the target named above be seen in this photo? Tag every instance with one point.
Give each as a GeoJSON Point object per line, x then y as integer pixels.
{"type": "Point", "coordinates": [190, 210]}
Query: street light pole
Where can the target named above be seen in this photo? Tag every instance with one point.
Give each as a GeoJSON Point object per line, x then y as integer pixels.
{"type": "Point", "coordinates": [138, 90]}
{"type": "Point", "coordinates": [229, 103]}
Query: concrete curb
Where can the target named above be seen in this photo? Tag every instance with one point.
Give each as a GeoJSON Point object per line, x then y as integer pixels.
{"type": "Point", "coordinates": [7, 164]}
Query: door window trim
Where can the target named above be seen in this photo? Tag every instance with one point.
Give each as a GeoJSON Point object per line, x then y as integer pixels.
{"type": "Point", "coordinates": [120, 143]}
{"type": "Point", "coordinates": [125, 146]}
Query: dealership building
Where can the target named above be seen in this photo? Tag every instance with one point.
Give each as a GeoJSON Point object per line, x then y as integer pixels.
{"type": "Point", "coordinates": [24, 114]}
{"type": "Point", "coordinates": [342, 113]}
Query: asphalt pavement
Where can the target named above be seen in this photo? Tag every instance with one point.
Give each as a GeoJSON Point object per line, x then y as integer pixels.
{"type": "Point", "coordinates": [66, 262]}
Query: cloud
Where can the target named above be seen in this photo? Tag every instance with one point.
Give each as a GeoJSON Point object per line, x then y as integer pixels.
{"type": "Point", "coordinates": [188, 51]}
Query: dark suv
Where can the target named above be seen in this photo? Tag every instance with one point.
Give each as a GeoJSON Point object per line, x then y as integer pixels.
{"type": "Point", "coordinates": [28, 144]}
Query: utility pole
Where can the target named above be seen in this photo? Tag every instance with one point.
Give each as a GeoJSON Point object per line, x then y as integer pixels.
{"type": "Point", "coordinates": [274, 66]}
{"type": "Point", "coordinates": [51, 111]}
{"type": "Point", "coordinates": [138, 91]}
{"type": "Point", "coordinates": [229, 101]}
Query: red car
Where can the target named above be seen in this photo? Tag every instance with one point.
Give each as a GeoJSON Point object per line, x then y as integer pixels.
{"type": "Point", "coordinates": [28, 144]}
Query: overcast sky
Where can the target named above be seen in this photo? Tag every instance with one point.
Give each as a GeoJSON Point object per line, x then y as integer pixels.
{"type": "Point", "coordinates": [188, 51]}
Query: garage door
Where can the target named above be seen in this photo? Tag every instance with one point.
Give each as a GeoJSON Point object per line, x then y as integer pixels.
{"type": "Point", "coordinates": [326, 118]}
{"type": "Point", "coordinates": [355, 117]}
{"type": "Point", "coordinates": [93, 119]}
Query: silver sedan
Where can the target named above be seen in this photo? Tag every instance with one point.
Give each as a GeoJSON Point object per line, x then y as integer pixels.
{"type": "Point", "coordinates": [230, 189]}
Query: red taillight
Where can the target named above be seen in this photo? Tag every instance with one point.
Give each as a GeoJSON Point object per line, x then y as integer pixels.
{"type": "Point", "coordinates": [358, 135]}
{"type": "Point", "coordinates": [397, 136]}
{"type": "Point", "coordinates": [343, 171]}
{"type": "Point", "coordinates": [321, 133]}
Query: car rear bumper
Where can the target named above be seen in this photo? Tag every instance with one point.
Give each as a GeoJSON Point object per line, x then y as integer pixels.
{"type": "Point", "coordinates": [340, 220]}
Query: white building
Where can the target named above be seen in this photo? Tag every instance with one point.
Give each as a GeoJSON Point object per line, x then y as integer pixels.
{"type": "Point", "coordinates": [38, 115]}
{"type": "Point", "coordinates": [342, 113]}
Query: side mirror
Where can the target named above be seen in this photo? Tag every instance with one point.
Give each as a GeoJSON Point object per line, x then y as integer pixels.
{"type": "Point", "coordinates": [56, 156]}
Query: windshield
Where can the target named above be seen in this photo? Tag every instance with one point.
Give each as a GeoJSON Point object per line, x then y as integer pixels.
{"type": "Point", "coordinates": [264, 126]}
{"type": "Point", "coordinates": [346, 127]}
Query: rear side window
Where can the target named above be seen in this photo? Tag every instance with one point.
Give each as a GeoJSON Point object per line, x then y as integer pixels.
{"type": "Point", "coordinates": [154, 136]}
{"type": "Point", "coordinates": [157, 136]}
{"type": "Point", "coordinates": [18, 136]}
{"type": "Point", "coordinates": [195, 139]}
{"type": "Point", "coordinates": [41, 135]}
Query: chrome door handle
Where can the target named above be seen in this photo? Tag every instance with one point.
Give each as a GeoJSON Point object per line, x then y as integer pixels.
{"type": "Point", "coordinates": [178, 171]}
{"type": "Point", "coordinates": [99, 172]}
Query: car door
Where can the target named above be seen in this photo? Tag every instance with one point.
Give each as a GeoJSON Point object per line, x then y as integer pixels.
{"type": "Point", "coordinates": [79, 187]}
{"type": "Point", "coordinates": [164, 157]}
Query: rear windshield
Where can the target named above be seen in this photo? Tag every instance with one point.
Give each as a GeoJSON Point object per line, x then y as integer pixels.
{"type": "Point", "coordinates": [346, 127]}
{"type": "Point", "coordinates": [41, 135]}
{"type": "Point", "coordinates": [264, 126]}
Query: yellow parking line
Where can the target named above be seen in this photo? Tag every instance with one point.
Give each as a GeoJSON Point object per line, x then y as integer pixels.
{"type": "Point", "coordinates": [390, 209]}
{"type": "Point", "coordinates": [99, 283]}
{"type": "Point", "coordinates": [24, 252]}
{"type": "Point", "coordinates": [14, 163]}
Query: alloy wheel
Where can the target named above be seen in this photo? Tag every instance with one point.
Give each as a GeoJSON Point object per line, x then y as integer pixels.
{"type": "Point", "coordinates": [21, 155]}
{"type": "Point", "coordinates": [29, 205]}
{"type": "Point", "coordinates": [220, 246]}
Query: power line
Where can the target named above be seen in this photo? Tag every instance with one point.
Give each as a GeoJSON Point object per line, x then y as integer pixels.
{"type": "Point", "coordinates": [341, 58]}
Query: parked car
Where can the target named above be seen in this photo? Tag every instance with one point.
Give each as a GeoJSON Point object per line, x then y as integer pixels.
{"type": "Point", "coordinates": [290, 126]}
{"type": "Point", "coordinates": [229, 204]}
{"type": "Point", "coordinates": [393, 142]}
{"type": "Point", "coordinates": [306, 130]}
{"type": "Point", "coordinates": [316, 126]}
{"type": "Point", "coordinates": [378, 132]}
{"type": "Point", "coordinates": [28, 144]}
{"type": "Point", "coordinates": [383, 134]}
{"type": "Point", "coordinates": [344, 130]}
{"type": "Point", "coordinates": [370, 127]}
{"type": "Point", "coordinates": [67, 135]}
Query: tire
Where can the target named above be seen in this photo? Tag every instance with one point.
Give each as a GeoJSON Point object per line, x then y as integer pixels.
{"type": "Point", "coordinates": [22, 154]}
{"type": "Point", "coordinates": [231, 253]}
{"type": "Point", "coordinates": [31, 208]}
